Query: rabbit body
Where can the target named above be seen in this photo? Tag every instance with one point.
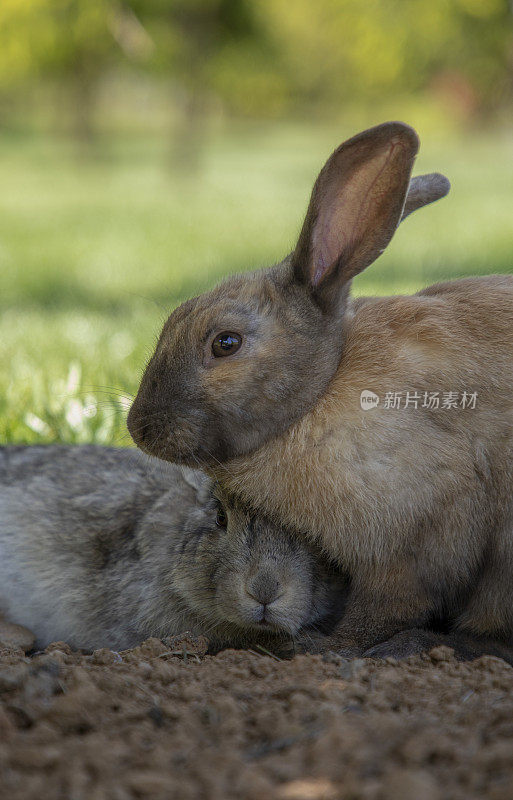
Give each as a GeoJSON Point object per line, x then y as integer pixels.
{"type": "Point", "coordinates": [416, 503]}
{"type": "Point", "coordinates": [104, 547]}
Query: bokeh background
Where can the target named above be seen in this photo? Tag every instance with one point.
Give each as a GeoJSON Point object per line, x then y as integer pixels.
{"type": "Point", "coordinates": [149, 147]}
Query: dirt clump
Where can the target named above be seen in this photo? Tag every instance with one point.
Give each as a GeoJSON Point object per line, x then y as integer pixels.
{"type": "Point", "coordinates": [164, 720]}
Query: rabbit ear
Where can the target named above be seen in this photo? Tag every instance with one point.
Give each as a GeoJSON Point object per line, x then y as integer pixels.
{"type": "Point", "coordinates": [356, 205]}
{"type": "Point", "coordinates": [425, 189]}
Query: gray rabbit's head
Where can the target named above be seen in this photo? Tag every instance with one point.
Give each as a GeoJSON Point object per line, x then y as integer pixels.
{"type": "Point", "coordinates": [244, 576]}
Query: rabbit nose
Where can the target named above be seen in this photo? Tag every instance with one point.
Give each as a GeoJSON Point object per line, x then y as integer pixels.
{"type": "Point", "coordinates": [140, 424]}
{"type": "Point", "coordinates": [264, 589]}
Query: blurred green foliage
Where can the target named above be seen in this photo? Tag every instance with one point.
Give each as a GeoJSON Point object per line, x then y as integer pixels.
{"type": "Point", "coordinates": [264, 57]}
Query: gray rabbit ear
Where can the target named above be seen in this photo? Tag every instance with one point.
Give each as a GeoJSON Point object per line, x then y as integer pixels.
{"type": "Point", "coordinates": [356, 204]}
{"type": "Point", "coordinates": [425, 189]}
{"type": "Point", "coordinates": [199, 481]}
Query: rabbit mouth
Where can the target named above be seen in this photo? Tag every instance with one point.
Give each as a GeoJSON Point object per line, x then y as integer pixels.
{"type": "Point", "coordinates": [272, 620]}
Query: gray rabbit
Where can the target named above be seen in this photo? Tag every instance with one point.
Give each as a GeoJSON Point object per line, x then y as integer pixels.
{"type": "Point", "coordinates": [105, 547]}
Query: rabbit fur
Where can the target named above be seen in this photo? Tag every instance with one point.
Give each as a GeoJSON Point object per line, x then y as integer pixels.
{"type": "Point", "coordinates": [104, 547]}
{"type": "Point", "coordinates": [416, 503]}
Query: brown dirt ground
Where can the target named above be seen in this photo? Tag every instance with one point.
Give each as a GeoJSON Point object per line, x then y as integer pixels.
{"type": "Point", "coordinates": [162, 721]}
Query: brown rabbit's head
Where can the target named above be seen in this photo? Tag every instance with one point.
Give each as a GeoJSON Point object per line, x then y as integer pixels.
{"type": "Point", "coordinates": [238, 365]}
{"type": "Point", "coordinates": [242, 573]}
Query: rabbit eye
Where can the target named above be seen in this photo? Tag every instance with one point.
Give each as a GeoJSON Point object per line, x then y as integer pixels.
{"type": "Point", "coordinates": [226, 344]}
{"type": "Point", "coordinates": [221, 518]}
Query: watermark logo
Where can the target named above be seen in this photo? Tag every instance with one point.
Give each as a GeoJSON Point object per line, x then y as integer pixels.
{"type": "Point", "coordinates": [432, 401]}
{"type": "Point", "coordinates": [368, 400]}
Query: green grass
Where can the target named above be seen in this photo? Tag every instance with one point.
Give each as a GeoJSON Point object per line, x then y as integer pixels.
{"type": "Point", "coordinates": [95, 253]}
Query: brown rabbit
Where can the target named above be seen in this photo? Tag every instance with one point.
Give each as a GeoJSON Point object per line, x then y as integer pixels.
{"type": "Point", "coordinates": [261, 382]}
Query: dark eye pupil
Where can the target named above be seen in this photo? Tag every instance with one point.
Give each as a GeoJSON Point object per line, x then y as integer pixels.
{"type": "Point", "coordinates": [221, 519]}
{"type": "Point", "coordinates": [226, 344]}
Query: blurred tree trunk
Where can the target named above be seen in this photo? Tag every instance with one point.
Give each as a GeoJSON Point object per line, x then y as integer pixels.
{"type": "Point", "coordinates": [84, 87]}
{"type": "Point", "coordinates": [189, 133]}
{"type": "Point", "coordinates": [199, 27]}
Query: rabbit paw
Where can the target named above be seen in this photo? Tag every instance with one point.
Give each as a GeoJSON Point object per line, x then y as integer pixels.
{"type": "Point", "coordinates": [311, 642]}
{"type": "Point", "coordinates": [319, 644]}
{"type": "Point", "coordinates": [404, 644]}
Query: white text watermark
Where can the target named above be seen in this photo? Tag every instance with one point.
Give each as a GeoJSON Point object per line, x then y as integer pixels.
{"type": "Point", "coordinates": [431, 401]}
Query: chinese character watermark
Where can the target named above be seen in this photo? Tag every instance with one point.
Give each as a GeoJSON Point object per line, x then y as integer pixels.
{"type": "Point", "coordinates": [415, 400]}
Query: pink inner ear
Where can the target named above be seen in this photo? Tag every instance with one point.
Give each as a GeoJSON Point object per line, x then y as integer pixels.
{"type": "Point", "coordinates": [349, 208]}
{"type": "Point", "coordinates": [326, 242]}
